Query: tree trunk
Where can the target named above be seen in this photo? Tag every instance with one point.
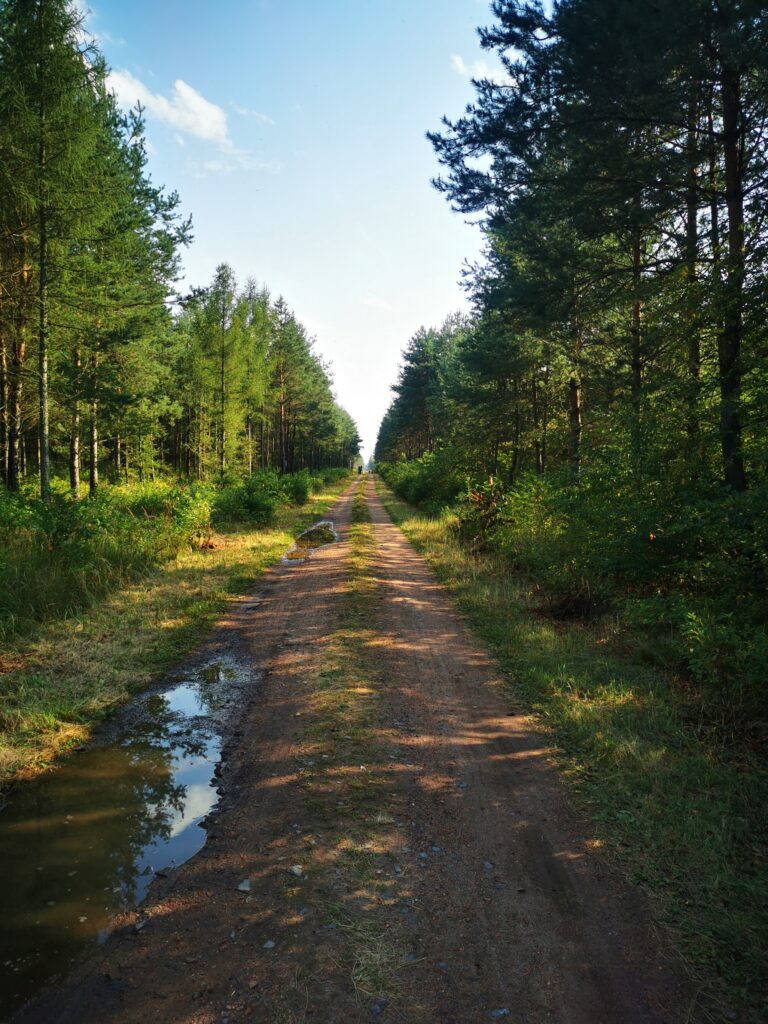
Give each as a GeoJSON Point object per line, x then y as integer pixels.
{"type": "Point", "coordinates": [93, 432]}
{"type": "Point", "coordinates": [691, 254]}
{"type": "Point", "coordinates": [4, 391]}
{"type": "Point", "coordinates": [283, 427]}
{"type": "Point", "coordinates": [42, 342]}
{"type": "Point", "coordinates": [545, 413]}
{"type": "Point", "coordinates": [536, 426]}
{"type": "Point", "coordinates": [15, 394]}
{"type": "Point", "coordinates": [74, 431]}
{"type": "Point", "coordinates": [729, 340]}
{"type": "Point", "coordinates": [574, 424]}
{"type": "Point", "coordinates": [636, 352]}
{"type": "Point", "coordinates": [74, 451]}
{"type": "Point", "coordinates": [223, 402]}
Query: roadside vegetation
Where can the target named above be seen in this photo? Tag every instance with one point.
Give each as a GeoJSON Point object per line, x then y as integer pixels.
{"type": "Point", "coordinates": [678, 804]}
{"type": "Point", "coordinates": [121, 588]}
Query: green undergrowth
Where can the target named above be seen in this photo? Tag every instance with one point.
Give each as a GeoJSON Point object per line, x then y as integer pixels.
{"type": "Point", "coordinates": [58, 682]}
{"type": "Point", "coordinates": [682, 810]}
{"type": "Point", "coordinates": [62, 556]}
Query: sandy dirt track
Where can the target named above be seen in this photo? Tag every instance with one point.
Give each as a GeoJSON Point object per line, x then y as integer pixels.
{"type": "Point", "coordinates": [479, 876]}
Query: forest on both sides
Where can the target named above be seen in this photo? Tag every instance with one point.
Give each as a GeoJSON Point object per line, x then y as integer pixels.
{"type": "Point", "coordinates": [602, 414]}
{"type": "Point", "coordinates": [158, 404]}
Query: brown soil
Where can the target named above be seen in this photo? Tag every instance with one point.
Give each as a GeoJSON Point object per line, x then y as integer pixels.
{"type": "Point", "coordinates": [449, 865]}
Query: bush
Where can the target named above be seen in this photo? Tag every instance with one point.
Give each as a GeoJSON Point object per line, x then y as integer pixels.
{"type": "Point", "coordinates": [431, 482]}
{"type": "Point", "coordinates": [253, 500]}
{"type": "Point", "coordinates": [298, 487]}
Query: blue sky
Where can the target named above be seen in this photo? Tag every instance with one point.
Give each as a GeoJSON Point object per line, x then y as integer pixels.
{"type": "Point", "coordinates": [294, 132]}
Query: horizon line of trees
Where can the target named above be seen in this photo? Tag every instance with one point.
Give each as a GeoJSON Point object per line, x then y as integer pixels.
{"type": "Point", "coordinates": [103, 369]}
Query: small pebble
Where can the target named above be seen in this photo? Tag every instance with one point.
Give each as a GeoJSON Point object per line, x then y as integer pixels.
{"type": "Point", "coordinates": [245, 885]}
{"type": "Point", "coordinates": [461, 785]}
{"type": "Point", "coordinates": [296, 869]}
{"type": "Point", "coordinates": [442, 965]}
{"type": "Point", "coordinates": [269, 944]}
{"type": "Point", "coordinates": [495, 1014]}
{"type": "Point", "coordinates": [436, 849]}
{"type": "Point", "coordinates": [488, 866]}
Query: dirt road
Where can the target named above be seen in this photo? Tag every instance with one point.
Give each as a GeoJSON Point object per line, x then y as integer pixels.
{"type": "Point", "coordinates": [392, 843]}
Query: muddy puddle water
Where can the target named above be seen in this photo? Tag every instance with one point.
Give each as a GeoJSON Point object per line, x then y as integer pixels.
{"type": "Point", "coordinates": [83, 843]}
{"type": "Point", "coordinates": [315, 537]}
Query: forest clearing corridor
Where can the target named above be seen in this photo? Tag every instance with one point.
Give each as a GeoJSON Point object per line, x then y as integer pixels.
{"type": "Point", "coordinates": [392, 841]}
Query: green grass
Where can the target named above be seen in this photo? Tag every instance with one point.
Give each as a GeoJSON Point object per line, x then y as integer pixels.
{"type": "Point", "coordinates": [684, 817]}
{"type": "Point", "coordinates": [58, 683]}
{"type": "Point", "coordinates": [348, 788]}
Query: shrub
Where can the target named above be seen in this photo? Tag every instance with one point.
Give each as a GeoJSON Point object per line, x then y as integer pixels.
{"type": "Point", "coordinates": [431, 482]}
{"type": "Point", "coordinates": [298, 487]}
{"type": "Point", "coordinates": [254, 499]}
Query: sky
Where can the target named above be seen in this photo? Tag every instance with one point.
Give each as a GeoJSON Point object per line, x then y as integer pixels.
{"type": "Point", "coordinates": [294, 133]}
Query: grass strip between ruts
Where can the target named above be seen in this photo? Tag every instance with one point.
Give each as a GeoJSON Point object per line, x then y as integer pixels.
{"type": "Point", "coordinates": [347, 783]}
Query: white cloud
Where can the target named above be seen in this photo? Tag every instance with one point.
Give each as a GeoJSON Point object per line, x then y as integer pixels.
{"type": "Point", "coordinates": [234, 160]}
{"type": "Point", "coordinates": [186, 110]}
{"type": "Point", "coordinates": [377, 303]}
{"type": "Point", "coordinates": [479, 70]}
{"type": "Point", "coordinates": [255, 114]}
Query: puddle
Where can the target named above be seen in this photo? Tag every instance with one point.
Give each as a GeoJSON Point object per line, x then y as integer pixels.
{"type": "Point", "coordinates": [321, 533]}
{"type": "Point", "coordinates": [83, 843]}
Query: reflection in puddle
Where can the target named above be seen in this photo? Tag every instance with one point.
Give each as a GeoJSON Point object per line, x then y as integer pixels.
{"type": "Point", "coordinates": [315, 537]}
{"type": "Point", "coordinates": [83, 843]}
